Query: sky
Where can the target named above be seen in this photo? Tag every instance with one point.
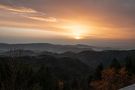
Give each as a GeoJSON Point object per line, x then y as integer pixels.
{"type": "Point", "coordinates": [109, 23]}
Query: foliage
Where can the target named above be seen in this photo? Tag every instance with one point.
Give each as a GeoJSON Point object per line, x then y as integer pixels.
{"type": "Point", "coordinates": [18, 74]}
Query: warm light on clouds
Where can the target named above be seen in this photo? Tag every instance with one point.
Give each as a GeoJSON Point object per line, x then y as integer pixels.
{"type": "Point", "coordinates": [47, 19]}
{"type": "Point", "coordinates": [69, 20]}
{"type": "Point", "coordinates": [28, 33]}
{"type": "Point", "coordinates": [17, 9]}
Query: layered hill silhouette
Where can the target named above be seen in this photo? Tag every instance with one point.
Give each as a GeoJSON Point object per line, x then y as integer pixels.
{"type": "Point", "coordinates": [38, 47]}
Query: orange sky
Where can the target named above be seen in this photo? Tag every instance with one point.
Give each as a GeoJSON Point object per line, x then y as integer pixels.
{"type": "Point", "coordinates": [75, 21]}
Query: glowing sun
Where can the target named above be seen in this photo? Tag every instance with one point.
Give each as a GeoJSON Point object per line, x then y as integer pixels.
{"type": "Point", "coordinates": [78, 37]}
{"type": "Point", "coordinates": [78, 31]}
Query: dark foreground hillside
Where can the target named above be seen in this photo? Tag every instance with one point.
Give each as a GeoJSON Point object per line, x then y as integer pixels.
{"type": "Point", "coordinates": [88, 70]}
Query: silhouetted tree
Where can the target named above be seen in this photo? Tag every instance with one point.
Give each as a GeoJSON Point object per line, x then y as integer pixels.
{"type": "Point", "coordinates": [75, 84]}
{"type": "Point", "coordinates": [98, 72]}
{"type": "Point", "coordinates": [129, 65]}
{"type": "Point", "coordinates": [115, 64]}
{"type": "Point", "coordinates": [89, 81]}
{"type": "Point", "coordinates": [45, 78]}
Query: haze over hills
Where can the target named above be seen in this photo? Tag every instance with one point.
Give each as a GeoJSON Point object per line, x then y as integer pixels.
{"type": "Point", "coordinates": [89, 55]}
{"type": "Point", "coordinates": [50, 47]}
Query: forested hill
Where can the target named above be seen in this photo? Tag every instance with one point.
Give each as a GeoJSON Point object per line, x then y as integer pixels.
{"type": "Point", "coordinates": [86, 70]}
{"type": "Point", "coordinates": [90, 58]}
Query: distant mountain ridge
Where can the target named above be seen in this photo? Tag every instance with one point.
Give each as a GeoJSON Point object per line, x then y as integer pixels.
{"type": "Point", "coordinates": [57, 48]}
{"type": "Point", "coordinates": [83, 53]}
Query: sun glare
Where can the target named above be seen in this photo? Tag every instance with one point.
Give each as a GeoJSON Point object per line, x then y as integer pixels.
{"type": "Point", "coordinates": [77, 31]}
{"type": "Point", "coordinates": [78, 37]}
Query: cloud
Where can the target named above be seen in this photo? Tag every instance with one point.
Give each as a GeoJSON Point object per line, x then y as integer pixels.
{"type": "Point", "coordinates": [28, 13]}
{"type": "Point", "coordinates": [47, 19]}
{"type": "Point", "coordinates": [17, 9]}
{"type": "Point", "coordinates": [104, 13]}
